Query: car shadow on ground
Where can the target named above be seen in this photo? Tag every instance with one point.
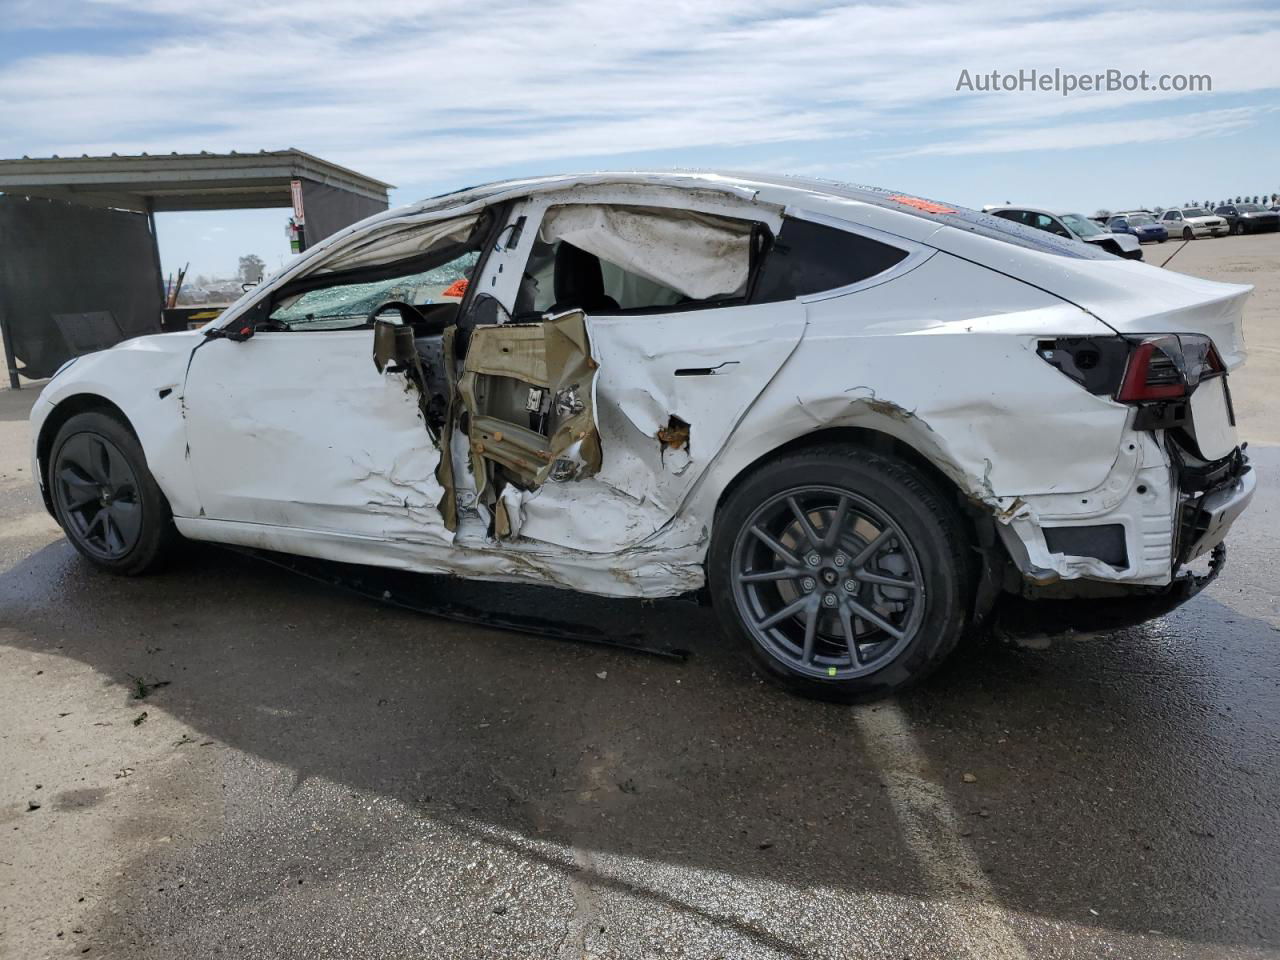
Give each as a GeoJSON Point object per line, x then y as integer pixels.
{"type": "Point", "coordinates": [1105, 773]}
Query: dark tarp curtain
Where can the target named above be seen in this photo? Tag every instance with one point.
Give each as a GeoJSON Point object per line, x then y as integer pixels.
{"type": "Point", "coordinates": [64, 258]}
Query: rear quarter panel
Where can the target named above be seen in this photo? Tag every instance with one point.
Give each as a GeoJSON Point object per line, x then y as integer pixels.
{"type": "Point", "coordinates": [943, 358]}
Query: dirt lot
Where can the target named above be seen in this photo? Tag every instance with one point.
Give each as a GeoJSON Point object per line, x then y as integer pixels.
{"type": "Point", "coordinates": [323, 777]}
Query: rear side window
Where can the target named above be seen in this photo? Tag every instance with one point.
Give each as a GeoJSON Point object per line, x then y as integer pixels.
{"type": "Point", "coordinates": [810, 258]}
{"type": "Point", "coordinates": [1017, 216]}
{"type": "Point", "coordinates": [617, 258]}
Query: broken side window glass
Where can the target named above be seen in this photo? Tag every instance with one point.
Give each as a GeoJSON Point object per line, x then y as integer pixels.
{"type": "Point", "coordinates": [809, 257]}
{"type": "Point", "coordinates": [347, 305]}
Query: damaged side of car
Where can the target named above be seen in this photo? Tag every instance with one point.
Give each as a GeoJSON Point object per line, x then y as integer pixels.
{"type": "Point", "coordinates": [612, 339]}
{"type": "Point", "coordinates": [510, 407]}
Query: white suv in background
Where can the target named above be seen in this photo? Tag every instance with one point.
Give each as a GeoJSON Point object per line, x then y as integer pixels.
{"type": "Point", "coordinates": [1191, 223]}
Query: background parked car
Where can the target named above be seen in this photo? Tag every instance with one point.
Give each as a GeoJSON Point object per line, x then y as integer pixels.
{"type": "Point", "coordinates": [1074, 226]}
{"type": "Point", "coordinates": [1140, 225]}
{"type": "Point", "coordinates": [1190, 223]}
{"type": "Point", "coordinates": [1248, 217]}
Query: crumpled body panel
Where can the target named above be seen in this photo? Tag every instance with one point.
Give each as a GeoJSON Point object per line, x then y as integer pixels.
{"type": "Point", "coordinates": [303, 432]}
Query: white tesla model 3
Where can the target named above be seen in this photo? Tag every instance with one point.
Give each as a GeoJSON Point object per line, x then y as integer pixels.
{"type": "Point", "coordinates": [858, 419]}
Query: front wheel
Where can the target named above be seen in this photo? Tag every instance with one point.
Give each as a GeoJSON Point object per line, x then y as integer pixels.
{"type": "Point", "coordinates": [1238, 229]}
{"type": "Point", "coordinates": [1187, 234]}
{"type": "Point", "coordinates": [105, 498]}
{"type": "Point", "coordinates": [843, 573]}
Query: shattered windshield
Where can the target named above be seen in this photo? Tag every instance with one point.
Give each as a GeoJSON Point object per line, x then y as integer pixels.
{"type": "Point", "coordinates": [350, 304]}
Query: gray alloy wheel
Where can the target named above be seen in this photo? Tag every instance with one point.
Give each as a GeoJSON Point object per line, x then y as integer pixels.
{"type": "Point", "coordinates": [97, 493]}
{"type": "Point", "coordinates": [827, 583]}
{"type": "Point", "coordinates": [104, 496]}
{"type": "Point", "coordinates": [841, 573]}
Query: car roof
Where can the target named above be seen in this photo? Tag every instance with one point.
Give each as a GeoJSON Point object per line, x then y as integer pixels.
{"type": "Point", "coordinates": [780, 189]}
{"type": "Point", "coordinates": [911, 217]}
{"type": "Point", "coordinates": [779, 186]}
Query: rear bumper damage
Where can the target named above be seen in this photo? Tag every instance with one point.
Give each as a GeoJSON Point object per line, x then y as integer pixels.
{"type": "Point", "coordinates": [1108, 561]}
{"type": "Point", "coordinates": [1123, 606]}
{"type": "Point", "coordinates": [1213, 497]}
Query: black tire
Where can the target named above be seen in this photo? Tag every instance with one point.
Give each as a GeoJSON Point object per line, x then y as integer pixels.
{"type": "Point", "coordinates": [886, 497]}
{"type": "Point", "coordinates": [104, 497]}
{"type": "Point", "coordinates": [1187, 234]}
{"type": "Point", "coordinates": [1238, 229]}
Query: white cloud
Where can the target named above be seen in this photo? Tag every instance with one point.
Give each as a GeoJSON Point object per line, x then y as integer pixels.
{"type": "Point", "coordinates": [421, 93]}
{"type": "Point", "coordinates": [1210, 123]}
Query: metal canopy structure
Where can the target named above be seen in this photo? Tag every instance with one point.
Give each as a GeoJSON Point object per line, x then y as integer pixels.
{"type": "Point", "coordinates": [182, 181]}
{"type": "Point", "coordinates": [78, 235]}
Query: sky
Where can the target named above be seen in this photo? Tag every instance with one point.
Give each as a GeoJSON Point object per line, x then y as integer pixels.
{"type": "Point", "coordinates": [435, 96]}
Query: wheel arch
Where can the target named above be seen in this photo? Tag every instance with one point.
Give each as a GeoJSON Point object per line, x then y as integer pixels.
{"type": "Point", "coordinates": [868, 438]}
{"type": "Point", "coordinates": [990, 553]}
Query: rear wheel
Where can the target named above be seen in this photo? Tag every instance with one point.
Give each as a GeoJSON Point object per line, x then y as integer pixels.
{"type": "Point", "coordinates": [104, 496]}
{"type": "Point", "coordinates": [842, 572]}
{"type": "Point", "coordinates": [1238, 229]}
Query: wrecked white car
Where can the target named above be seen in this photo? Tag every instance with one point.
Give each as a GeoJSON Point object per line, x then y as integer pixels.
{"type": "Point", "coordinates": [857, 419]}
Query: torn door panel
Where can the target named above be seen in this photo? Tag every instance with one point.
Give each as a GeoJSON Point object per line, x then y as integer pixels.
{"type": "Point", "coordinates": [598, 513]}
{"type": "Point", "coordinates": [593, 517]}
{"type": "Point", "coordinates": [396, 350]}
{"type": "Point", "coordinates": [348, 449]}
{"type": "Point", "coordinates": [645, 392]}
{"type": "Point", "coordinates": [528, 392]}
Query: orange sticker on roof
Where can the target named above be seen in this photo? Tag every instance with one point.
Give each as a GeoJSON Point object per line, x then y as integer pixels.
{"type": "Point", "coordinates": [928, 206]}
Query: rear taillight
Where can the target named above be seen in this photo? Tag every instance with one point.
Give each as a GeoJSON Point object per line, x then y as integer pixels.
{"type": "Point", "coordinates": [1136, 370]}
{"type": "Point", "coordinates": [1168, 367]}
{"type": "Point", "coordinates": [1154, 372]}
